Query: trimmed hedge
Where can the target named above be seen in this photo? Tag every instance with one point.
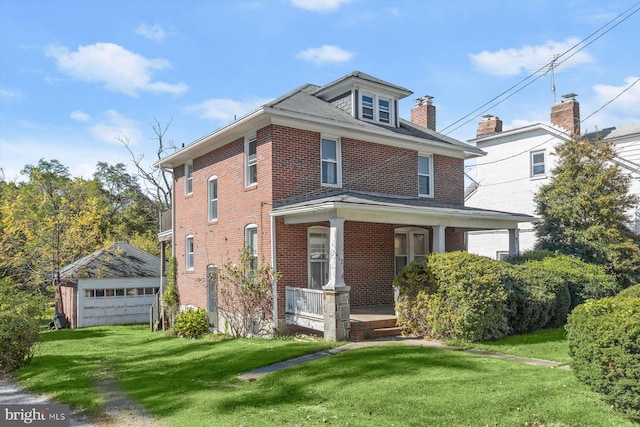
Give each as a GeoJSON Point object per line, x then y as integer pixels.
{"type": "Point", "coordinates": [630, 292]}
{"type": "Point", "coordinates": [604, 344]}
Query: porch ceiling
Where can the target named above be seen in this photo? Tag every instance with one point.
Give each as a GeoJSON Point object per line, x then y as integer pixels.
{"type": "Point", "coordinates": [367, 207]}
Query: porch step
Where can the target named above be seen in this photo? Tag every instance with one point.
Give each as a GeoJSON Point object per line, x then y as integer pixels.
{"type": "Point", "coordinates": [367, 334]}
{"type": "Point", "coordinates": [374, 329]}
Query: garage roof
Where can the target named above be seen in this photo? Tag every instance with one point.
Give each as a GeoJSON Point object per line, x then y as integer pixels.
{"type": "Point", "coordinates": [118, 260]}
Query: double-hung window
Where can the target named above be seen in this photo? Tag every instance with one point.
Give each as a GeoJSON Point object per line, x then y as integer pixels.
{"type": "Point", "coordinates": [213, 198]}
{"type": "Point", "coordinates": [537, 163]}
{"type": "Point", "coordinates": [425, 176]}
{"type": "Point", "coordinates": [250, 160]}
{"type": "Point", "coordinates": [189, 253]}
{"type": "Point", "coordinates": [318, 251]}
{"type": "Point", "coordinates": [251, 243]}
{"type": "Point", "coordinates": [188, 178]}
{"type": "Point", "coordinates": [331, 162]}
{"type": "Point", "coordinates": [376, 108]}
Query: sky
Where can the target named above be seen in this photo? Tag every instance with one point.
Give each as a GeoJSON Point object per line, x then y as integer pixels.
{"type": "Point", "coordinates": [79, 77]}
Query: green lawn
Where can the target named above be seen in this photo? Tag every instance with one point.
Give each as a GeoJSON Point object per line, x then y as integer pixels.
{"type": "Point", "coordinates": [549, 344]}
{"type": "Point", "coordinates": [186, 382]}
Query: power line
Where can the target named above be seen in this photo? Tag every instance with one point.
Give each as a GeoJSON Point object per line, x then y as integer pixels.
{"type": "Point", "coordinates": [553, 62]}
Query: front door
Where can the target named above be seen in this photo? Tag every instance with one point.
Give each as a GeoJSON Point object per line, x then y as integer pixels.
{"type": "Point", "coordinates": [212, 295]}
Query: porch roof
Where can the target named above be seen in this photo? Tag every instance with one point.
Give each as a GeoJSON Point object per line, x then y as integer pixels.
{"type": "Point", "coordinates": [381, 208]}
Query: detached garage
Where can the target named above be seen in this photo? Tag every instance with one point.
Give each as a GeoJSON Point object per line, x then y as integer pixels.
{"type": "Point", "coordinates": [113, 285]}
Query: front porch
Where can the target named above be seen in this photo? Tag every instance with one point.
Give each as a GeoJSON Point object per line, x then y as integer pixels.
{"type": "Point", "coordinates": [304, 308]}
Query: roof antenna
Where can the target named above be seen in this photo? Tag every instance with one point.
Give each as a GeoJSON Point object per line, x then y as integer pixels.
{"type": "Point", "coordinates": [552, 66]}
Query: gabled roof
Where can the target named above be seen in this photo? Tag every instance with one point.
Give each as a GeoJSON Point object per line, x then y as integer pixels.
{"type": "Point", "coordinates": [535, 127]}
{"type": "Point", "coordinates": [119, 260]}
{"type": "Point", "coordinates": [359, 76]}
{"type": "Point", "coordinates": [615, 132]}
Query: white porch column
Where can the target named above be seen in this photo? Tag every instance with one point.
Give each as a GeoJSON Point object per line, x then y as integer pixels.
{"type": "Point", "coordinates": [336, 255]}
{"type": "Point", "coordinates": [438, 238]}
{"type": "Point", "coordinates": [335, 296]}
{"type": "Point", "coordinates": [514, 241]}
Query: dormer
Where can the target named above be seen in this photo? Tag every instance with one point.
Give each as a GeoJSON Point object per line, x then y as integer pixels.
{"type": "Point", "coordinates": [365, 98]}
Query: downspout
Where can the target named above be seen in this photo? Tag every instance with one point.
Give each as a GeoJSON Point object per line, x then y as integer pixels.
{"type": "Point", "coordinates": [274, 282]}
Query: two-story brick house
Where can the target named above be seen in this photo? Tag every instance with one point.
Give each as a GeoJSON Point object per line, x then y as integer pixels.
{"type": "Point", "coordinates": [332, 188]}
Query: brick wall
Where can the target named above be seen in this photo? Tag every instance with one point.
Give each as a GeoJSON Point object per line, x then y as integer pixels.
{"type": "Point", "coordinates": [218, 242]}
{"type": "Point", "coordinates": [366, 166]}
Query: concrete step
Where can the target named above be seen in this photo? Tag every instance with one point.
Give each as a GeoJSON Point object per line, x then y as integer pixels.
{"type": "Point", "coordinates": [373, 324]}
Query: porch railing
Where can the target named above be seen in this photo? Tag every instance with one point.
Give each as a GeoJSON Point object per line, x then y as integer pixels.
{"type": "Point", "coordinates": [304, 307]}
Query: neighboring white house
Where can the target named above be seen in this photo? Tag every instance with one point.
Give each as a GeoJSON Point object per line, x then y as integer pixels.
{"type": "Point", "coordinates": [519, 161]}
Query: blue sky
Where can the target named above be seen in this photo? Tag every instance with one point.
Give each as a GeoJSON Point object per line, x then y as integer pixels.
{"type": "Point", "coordinates": [76, 76]}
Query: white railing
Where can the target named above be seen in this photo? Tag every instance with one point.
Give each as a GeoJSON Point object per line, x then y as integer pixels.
{"type": "Point", "coordinates": [304, 307]}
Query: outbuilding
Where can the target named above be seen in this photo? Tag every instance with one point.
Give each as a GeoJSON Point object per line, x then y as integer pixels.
{"type": "Point", "coordinates": [113, 285]}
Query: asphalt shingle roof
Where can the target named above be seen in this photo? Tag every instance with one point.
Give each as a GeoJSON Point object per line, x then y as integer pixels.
{"type": "Point", "coordinates": [119, 260]}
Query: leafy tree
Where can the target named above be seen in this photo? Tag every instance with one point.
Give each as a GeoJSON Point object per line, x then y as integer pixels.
{"type": "Point", "coordinates": [583, 209]}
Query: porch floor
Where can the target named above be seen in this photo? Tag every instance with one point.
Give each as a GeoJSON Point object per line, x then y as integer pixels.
{"type": "Point", "coordinates": [371, 313]}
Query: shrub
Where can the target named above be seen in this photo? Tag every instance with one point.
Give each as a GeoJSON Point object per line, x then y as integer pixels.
{"type": "Point", "coordinates": [532, 255]}
{"type": "Point", "coordinates": [469, 301]}
{"type": "Point", "coordinates": [584, 281]}
{"type": "Point", "coordinates": [191, 323]}
{"type": "Point", "coordinates": [630, 292]}
{"type": "Point", "coordinates": [414, 293]}
{"type": "Point", "coordinates": [604, 344]}
{"type": "Point", "coordinates": [19, 328]}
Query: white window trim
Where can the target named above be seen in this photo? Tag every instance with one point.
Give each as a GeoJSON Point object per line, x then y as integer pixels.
{"type": "Point", "coordinates": [209, 199]}
{"type": "Point", "coordinates": [376, 108]}
{"type": "Point", "coordinates": [248, 163]}
{"type": "Point", "coordinates": [338, 183]}
{"type": "Point", "coordinates": [430, 175]}
{"type": "Point", "coordinates": [310, 230]}
{"type": "Point", "coordinates": [188, 179]}
{"type": "Point", "coordinates": [409, 232]}
{"type": "Point", "coordinates": [247, 242]}
{"type": "Point", "coordinates": [532, 164]}
{"type": "Point", "coordinates": [189, 257]}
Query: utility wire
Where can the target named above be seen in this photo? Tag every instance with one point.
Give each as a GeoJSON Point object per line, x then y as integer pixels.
{"type": "Point", "coordinates": [544, 67]}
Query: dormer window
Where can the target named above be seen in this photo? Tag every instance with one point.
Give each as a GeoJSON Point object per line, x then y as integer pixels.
{"type": "Point", "coordinates": [376, 108]}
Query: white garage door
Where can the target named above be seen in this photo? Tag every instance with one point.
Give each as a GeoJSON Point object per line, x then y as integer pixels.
{"type": "Point", "coordinates": [115, 301]}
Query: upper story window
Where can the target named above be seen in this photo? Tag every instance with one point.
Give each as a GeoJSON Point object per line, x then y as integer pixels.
{"type": "Point", "coordinates": [537, 163]}
{"type": "Point", "coordinates": [376, 108]}
{"type": "Point", "coordinates": [250, 160]}
{"type": "Point", "coordinates": [213, 198]}
{"type": "Point", "coordinates": [425, 176]}
{"type": "Point", "coordinates": [251, 243]}
{"type": "Point", "coordinates": [331, 162]}
{"type": "Point", "coordinates": [189, 253]}
{"type": "Point", "coordinates": [188, 178]}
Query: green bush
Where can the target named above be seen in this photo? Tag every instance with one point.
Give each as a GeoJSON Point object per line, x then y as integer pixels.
{"type": "Point", "coordinates": [470, 298]}
{"type": "Point", "coordinates": [532, 255]}
{"type": "Point", "coordinates": [604, 344]}
{"type": "Point", "coordinates": [630, 292]}
{"type": "Point", "coordinates": [191, 323]}
{"type": "Point", "coordinates": [414, 292]}
{"type": "Point", "coordinates": [19, 326]}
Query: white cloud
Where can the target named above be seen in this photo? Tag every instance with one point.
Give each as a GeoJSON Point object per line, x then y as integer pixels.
{"type": "Point", "coordinates": [114, 126]}
{"type": "Point", "coordinates": [80, 116]}
{"type": "Point", "coordinates": [509, 62]}
{"type": "Point", "coordinates": [319, 5]}
{"type": "Point", "coordinates": [117, 68]}
{"type": "Point", "coordinates": [326, 54]}
{"type": "Point", "coordinates": [224, 110]}
{"type": "Point", "coordinates": [10, 93]}
{"type": "Point", "coordinates": [152, 32]}
{"type": "Point", "coordinates": [611, 106]}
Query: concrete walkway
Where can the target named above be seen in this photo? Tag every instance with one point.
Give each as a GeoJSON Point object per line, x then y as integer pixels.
{"type": "Point", "coordinates": [257, 373]}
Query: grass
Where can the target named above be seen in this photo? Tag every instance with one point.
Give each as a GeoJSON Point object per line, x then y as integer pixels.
{"type": "Point", "coordinates": [549, 344]}
{"type": "Point", "coordinates": [186, 382]}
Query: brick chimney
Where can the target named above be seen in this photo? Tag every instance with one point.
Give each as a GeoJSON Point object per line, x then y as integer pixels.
{"type": "Point", "coordinates": [566, 114]}
{"type": "Point", "coordinates": [489, 125]}
{"type": "Point", "coordinates": [424, 113]}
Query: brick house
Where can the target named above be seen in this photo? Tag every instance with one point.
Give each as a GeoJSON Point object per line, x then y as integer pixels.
{"type": "Point", "coordinates": [332, 188]}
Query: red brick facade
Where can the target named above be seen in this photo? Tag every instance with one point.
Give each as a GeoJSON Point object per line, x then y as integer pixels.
{"type": "Point", "coordinates": [288, 167]}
